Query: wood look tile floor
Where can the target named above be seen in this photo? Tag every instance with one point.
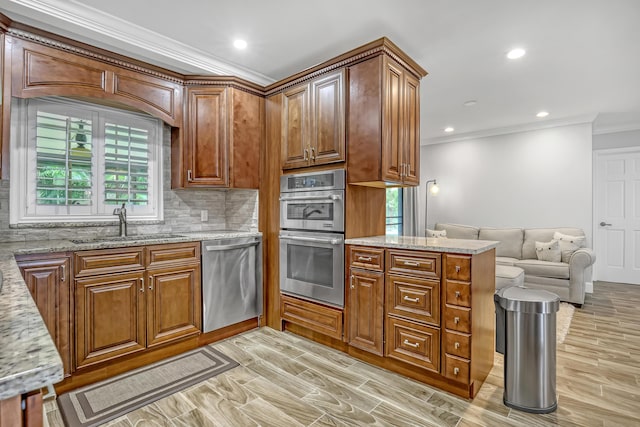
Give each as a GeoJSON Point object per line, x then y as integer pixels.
{"type": "Point", "coordinates": [286, 380]}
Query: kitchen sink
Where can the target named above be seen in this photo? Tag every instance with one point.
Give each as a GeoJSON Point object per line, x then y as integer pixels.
{"type": "Point", "coordinates": [125, 238]}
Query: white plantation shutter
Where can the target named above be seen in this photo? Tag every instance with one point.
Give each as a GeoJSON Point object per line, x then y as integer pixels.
{"type": "Point", "coordinates": [63, 152]}
{"type": "Point", "coordinates": [79, 160]}
{"type": "Point", "coordinates": [126, 171]}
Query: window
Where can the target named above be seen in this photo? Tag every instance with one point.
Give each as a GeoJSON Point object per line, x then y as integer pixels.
{"type": "Point", "coordinates": [76, 161]}
{"type": "Point", "coordinates": [394, 211]}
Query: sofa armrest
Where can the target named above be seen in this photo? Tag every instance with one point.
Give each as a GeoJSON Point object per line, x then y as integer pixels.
{"type": "Point", "coordinates": [580, 268]}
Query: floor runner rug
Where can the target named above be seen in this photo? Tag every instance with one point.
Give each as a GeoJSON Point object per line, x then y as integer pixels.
{"type": "Point", "coordinates": [109, 399]}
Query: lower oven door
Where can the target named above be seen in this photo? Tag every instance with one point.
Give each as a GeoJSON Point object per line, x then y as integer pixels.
{"type": "Point", "coordinates": [312, 266]}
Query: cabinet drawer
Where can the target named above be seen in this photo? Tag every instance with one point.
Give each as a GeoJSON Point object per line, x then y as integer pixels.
{"type": "Point", "coordinates": [368, 258]}
{"type": "Point", "coordinates": [456, 368]}
{"type": "Point", "coordinates": [171, 253]}
{"type": "Point", "coordinates": [458, 293]}
{"type": "Point", "coordinates": [413, 343]}
{"type": "Point", "coordinates": [458, 267]}
{"type": "Point", "coordinates": [457, 318]}
{"type": "Point", "coordinates": [457, 344]}
{"type": "Point", "coordinates": [413, 262]}
{"type": "Point", "coordinates": [417, 299]}
{"type": "Point", "coordinates": [103, 261]}
{"type": "Point", "coordinates": [327, 321]}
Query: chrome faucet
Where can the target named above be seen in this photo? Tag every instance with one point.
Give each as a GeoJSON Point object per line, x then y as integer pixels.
{"type": "Point", "coordinates": [122, 215]}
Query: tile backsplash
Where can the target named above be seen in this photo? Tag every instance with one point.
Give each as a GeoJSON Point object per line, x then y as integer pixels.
{"type": "Point", "coordinates": [227, 209]}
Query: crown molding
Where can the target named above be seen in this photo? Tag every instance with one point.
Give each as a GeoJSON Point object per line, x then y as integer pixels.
{"type": "Point", "coordinates": [619, 127]}
{"type": "Point", "coordinates": [525, 127]}
{"type": "Point", "coordinates": [127, 33]}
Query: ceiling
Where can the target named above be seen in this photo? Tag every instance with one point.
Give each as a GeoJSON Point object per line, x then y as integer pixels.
{"type": "Point", "coordinates": [582, 62]}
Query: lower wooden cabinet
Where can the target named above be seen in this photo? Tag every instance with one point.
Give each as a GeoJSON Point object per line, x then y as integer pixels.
{"type": "Point", "coordinates": [118, 314]}
{"type": "Point", "coordinates": [366, 310]}
{"type": "Point", "coordinates": [316, 317]}
{"type": "Point", "coordinates": [48, 278]}
{"type": "Point", "coordinates": [173, 308]}
{"type": "Point", "coordinates": [110, 317]}
{"type": "Point", "coordinates": [413, 343]}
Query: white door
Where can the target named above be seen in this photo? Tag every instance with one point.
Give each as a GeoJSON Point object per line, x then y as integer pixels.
{"type": "Point", "coordinates": [617, 215]}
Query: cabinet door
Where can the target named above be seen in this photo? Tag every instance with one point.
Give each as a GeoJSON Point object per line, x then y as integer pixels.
{"type": "Point", "coordinates": [173, 304]}
{"type": "Point", "coordinates": [366, 310]}
{"type": "Point", "coordinates": [48, 282]}
{"type": "Point", "coordinates": [247, 128]}
{"type": "Point", "coordinates": [110, 319]}
{"type": "Point", "coordinates": [207, 143]}
{"type": "Point", "coordinates": [295, 127]}
{"type": "Point", "coordinates": [411, 140]}
{"type": "Point", "coordinates": [327, 119]}
{"type": "Point", "coordinates": [393, 121]}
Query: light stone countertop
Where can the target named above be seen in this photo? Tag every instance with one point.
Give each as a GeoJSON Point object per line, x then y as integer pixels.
{"type": "Point", "coordinates": [28, 357]}
{"type": "Point", "coordinates": [459, 246]}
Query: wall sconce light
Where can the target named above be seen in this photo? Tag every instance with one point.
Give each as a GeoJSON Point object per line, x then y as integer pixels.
{"type": "Point", "coordinates": [433, 189]}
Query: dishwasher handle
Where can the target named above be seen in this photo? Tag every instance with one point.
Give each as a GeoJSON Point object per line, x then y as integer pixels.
{"type": "Point", "coordinates": [229, 247]}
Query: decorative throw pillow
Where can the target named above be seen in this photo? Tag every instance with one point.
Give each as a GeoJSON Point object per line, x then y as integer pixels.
{"type": "Point", "coordinates": [568, 244]}
{"type": "Point", "coordinates": [548, 251]}
{"type": "Point", "coordinates": [436, 233]}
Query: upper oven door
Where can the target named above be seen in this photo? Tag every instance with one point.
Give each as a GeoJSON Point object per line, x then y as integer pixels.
{"type": "Point", "coordinates": [313, 210]}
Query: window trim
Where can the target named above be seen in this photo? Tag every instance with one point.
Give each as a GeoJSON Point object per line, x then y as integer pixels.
{"type": "Point", "coordinates": [21, 167]}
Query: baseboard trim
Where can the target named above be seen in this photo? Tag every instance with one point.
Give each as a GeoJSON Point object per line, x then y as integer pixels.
{"type": "Point", "coordinates": [588, 287]}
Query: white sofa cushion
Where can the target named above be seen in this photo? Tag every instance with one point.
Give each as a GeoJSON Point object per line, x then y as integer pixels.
{"type": "Point", "coordinates": [504, 260]}
{"type": "Point", "coordinates": [548, 251]}
{"type": "Point", "coordinates": [510, 240]}
{"type": "Point", "coordinates": [458, 231]}
{"type": "Point", "coordinates": [568, 244]}
{"type": "Point", "coordinates": [436, 233]}
{"type": "Point", "coordinates": [534, 267]}
{"type": "Point", "coordinates": [531, 235]}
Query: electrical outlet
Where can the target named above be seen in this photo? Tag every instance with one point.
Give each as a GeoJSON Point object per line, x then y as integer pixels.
{"type": "Point", "coordinates": [204, 215]}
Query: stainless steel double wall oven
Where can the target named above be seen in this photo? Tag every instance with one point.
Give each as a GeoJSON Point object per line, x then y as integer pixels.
{"type": "Point", "coordinates": [312, 236]}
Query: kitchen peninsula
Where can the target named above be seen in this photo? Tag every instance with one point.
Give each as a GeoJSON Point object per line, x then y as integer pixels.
{"type": "Point", "coordinates": [433, 307]}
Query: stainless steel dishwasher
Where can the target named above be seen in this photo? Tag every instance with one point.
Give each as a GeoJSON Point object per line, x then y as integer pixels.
{"type": "Point", "coordinates": [231, 281]}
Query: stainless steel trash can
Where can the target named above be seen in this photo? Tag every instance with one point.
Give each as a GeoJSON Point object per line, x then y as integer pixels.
{"type": "Point", "coordinates": [526, 335]}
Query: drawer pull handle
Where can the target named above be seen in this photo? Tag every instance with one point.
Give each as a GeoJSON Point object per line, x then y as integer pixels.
{"type": "Point", "coordinates": [364, 258]}
{"type": "Point", "coordinates": [151, 283]}
{"type": "Point", "coordinates": [408, 298]}
{"type": "Point", "coordinates": [411, 344]}
{"type": "Point", "coordinates": [457, 294]}
{"type": "Point", "coordinates": [456, 320]}
{"type": "Point", "coordinates": [412, 263]}
{"type": "Point", "coordinates": [456, 371]}
{"type": "Point", "coordinates": [456, 345]}
{"type": "Point", "coordinates": [457, 269]}
{"type": "Point", "coordinates": [142, 284]}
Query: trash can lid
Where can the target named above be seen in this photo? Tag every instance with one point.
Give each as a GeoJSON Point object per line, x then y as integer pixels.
{"type": "Point", "coordinates": [528, 300]}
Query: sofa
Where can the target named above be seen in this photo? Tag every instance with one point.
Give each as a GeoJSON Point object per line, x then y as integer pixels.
{"type": "Point", "coordinates": [525, 249]}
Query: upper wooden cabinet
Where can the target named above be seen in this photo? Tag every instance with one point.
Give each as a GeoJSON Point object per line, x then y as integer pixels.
{"type": "Point", "coordinates": [222, 139]}
{"type": "Point", "coordinates": [38, 70]}
{"type": "Point", "coordinates": [384, 123]}
{"type": "Point", "coordinates": [313, 122]}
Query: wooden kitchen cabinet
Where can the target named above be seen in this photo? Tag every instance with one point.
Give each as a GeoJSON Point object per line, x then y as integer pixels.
{"type": "Point", "coordinates": [48, 278]}
{"type": "Point", "coordinates": [384, 123]}
{"type": "Point", "coordinates": [110, 317]}
{"type": "Point", "coordinates": [313, 122]}
{"type": "Point", "coordinates": [366, 310]}
{"type": "Point", "coordinates": [223, 134]}
{"type": "Point", "coordinates": [131, 299]}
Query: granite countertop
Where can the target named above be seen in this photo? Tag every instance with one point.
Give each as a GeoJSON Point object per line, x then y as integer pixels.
{"type": "Point", "coordinates": [459, 246]}
{"type": "Point", "coordinates": [28, 357]}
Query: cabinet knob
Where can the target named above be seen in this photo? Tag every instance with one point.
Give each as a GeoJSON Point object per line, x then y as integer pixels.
{"type": "Point", "coordinates": [457, 294]}
{"type": "Point", "coordinates": [457, 269]}
{"type": "Point", "coordinates": [189, 175]}
{"type": "Point", "coordinates": [150, 283]}
{"type": "Point", "coordinates": [456, 345]}
{"type": "Point", "coordinates": [456, 371]}
{"type": "Point", "coordinates": [456, 320]}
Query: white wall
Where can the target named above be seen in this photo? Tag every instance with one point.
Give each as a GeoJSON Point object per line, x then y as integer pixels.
{"type": "Point", "coordinates": [616, 140]}
{"type": "Point", "coordinates": [540, 178]}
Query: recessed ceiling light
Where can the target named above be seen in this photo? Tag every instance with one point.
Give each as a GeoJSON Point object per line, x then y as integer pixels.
{"type": "Point", "coordinates": [240, 44]}
{"type": "Point", "coordinates": [449, 129]}
{"type": "Point", "coordinates": [516, 53]}
{"type": "Point", "coordinates": [542, 114]}
{"type": "Point", "coordinates": [470, 103]}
